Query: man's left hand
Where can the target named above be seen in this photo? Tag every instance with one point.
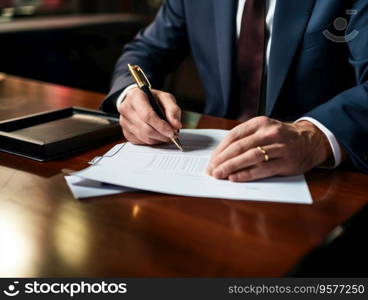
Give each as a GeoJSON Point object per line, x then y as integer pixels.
{"type": "Point", "coordinates": [291, 149]}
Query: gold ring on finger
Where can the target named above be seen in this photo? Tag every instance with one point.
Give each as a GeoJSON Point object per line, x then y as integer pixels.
{"type": "Point", "coordinates": [264, 152]}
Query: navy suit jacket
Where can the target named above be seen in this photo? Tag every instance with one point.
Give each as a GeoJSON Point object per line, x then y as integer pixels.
{"type": "Point", "coordinates": [308, 74]}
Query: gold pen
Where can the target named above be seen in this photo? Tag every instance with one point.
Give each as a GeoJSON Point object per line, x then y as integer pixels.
{"type": "Point", "coordinates": [144, 84]}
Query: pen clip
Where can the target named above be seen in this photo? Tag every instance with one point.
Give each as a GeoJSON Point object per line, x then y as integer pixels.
{"type": "Point", "coordinates": [139, 76]}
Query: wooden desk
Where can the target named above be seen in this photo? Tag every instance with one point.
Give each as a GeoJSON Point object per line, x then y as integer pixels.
{"type": "Point", "coordinates": [45, 232]}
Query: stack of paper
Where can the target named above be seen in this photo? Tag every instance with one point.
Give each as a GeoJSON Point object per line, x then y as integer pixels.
{"type": "Point", "coordinates": [164, 169]}
{"type": "Point", "coordinates": [84, 188]}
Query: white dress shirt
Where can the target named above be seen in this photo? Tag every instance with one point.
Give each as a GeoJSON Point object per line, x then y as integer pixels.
{"type": "Point", "coordinates": [270, 7]}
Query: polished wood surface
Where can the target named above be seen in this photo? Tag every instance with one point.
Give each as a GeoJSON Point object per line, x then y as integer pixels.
{"type": "Point", "coordinates": [45, 232]}
{"type": "Point", "coordinates": [69, 21]}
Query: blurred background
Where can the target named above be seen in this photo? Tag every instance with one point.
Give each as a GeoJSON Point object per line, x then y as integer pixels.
{"type": "Point", "coordinates": [76, 43]}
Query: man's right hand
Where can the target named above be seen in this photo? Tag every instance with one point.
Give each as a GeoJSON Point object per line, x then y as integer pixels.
{"type": "Point", "coordinates": [141, 125]}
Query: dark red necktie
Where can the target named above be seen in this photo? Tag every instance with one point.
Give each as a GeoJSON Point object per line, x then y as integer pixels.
{"type": "Point", "coordinates": [250, 59]}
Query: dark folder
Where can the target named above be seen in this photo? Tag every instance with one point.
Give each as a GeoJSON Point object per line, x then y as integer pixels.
{"type": "Point", "coordinates": [59, 133]}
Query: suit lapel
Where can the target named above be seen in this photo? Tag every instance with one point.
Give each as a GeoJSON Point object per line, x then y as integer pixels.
{"type": "Point", "coordinates": [290, 21]}
{"type": "Point", "coordinates": [225, 18]}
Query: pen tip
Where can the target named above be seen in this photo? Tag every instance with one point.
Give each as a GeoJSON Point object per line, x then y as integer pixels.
{"type": "Point", "coordinates": [180, 147]}
{"type": "Point", "coordinates": [178, 144]}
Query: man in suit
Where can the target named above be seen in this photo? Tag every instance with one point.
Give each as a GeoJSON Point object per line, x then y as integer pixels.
{"type": "Point", "coordinates": [294, 72]}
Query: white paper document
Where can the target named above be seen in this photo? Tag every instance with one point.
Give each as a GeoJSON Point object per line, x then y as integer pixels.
{"type": "Point", "coordinates": [165, 169]}
{"type": "Point", "coordinates": [83, 188]}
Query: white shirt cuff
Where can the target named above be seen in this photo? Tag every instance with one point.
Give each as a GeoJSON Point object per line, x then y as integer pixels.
{"type": "Point", "coordinates": [123, 95]}
{"type": "Point", "coordinates": [335, 146]}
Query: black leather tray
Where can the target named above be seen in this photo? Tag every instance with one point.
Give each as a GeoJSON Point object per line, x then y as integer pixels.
{"type": "Point", "coordinates": [56, 134]}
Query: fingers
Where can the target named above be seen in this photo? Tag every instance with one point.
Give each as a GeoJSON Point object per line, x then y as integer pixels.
{"type": "Point", "coordinates": [144, 131]}
{"type": "Point", "coordinates": [248, 159]}
{"type": "Point", "coordinates": [141, 134]}
{"type": "Point", "coordinates": [239, 132]}
{"type": "Point", "coordinates": [257, 131]}
{"type": "Point", "coordinates": [287, 149]}
{"type": "Point", "coordinates": [235, 149]}
{"type": "Point", "coordinates": [260, 171]}
{"type": "Point", "coordinates": [131, 137]}
{"type": "Point", "coordinates": [138, 118]}
{"type": "Point", "coordinates": [244, 130]}
{"type": "Point", "coordinates": [147, 115]}
{"type": "Point", "coordinates": [170, 108]}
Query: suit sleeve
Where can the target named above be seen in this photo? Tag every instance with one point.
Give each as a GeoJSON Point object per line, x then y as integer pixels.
{"type": "Point", "coordinates": [346, 115]}
{"type": "Point", "coordinates": [158, 49]}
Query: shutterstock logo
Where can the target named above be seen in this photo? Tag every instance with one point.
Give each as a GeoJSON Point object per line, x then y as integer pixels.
{"type": "Point", "coordinates": [12, 291]}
